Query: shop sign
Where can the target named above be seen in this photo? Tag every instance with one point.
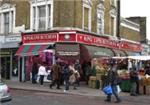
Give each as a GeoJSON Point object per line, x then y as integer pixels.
{"type": "Point", "coordinates": [67, 53]}
{"type": "Point", "coordinates": [92, 40]}
{"type": "Point", "coordinates": [13, 39]}
{"type": "Point", "coordinates": [130, 46]}
{"type": "Point", "coordinates": [40, 38]}
{"type": "Point", "coordinates": [4, 53]}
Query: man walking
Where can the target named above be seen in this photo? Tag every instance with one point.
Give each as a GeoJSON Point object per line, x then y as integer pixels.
{"type": "Point", "coordinates": [112, 79]}
{"type": "Point", "coordinates": [56, 73]}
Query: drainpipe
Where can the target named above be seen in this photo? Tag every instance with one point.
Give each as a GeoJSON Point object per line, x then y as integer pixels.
{"type": "Point", "coordinates": [118, 20]}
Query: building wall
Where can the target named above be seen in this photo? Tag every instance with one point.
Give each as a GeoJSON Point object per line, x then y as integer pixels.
{"type": "Point", "coordinates": [22, 13]}
{"type": "Point", "coordinates": [107, 17]}
{"type": "Point", "coordinates": [130, 34]}
{"type": "Point", "coordinates": [142, 22]}
{"type": "Point", "coordinates": [68, 13]}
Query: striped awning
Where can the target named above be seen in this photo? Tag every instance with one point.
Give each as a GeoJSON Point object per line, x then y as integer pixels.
{"type": "Point", "coordinates": [29, 50]}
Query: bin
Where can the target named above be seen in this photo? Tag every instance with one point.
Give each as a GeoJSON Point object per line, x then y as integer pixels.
{"type": "Point", "coordinates": [125, 85]}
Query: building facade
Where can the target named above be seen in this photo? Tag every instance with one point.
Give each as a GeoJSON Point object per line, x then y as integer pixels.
{"type": "Point", "coordinates": [79, 25]}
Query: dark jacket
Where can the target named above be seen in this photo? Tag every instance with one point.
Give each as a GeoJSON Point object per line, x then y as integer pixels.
{"type": "Point", "coordinates": [133, 76]}
{"type": "Point", "coordinates": [56, 72]}
{"type": "Point", "coordinates": [66, 73]}
{"type": "Point", "coordinates": [113, 77]}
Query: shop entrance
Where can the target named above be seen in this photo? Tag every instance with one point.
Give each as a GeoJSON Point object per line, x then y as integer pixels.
{"type": "Point", "coordinates": [5, 67]}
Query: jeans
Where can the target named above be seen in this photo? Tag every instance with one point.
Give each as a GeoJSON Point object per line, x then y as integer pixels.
{"type": "Point", "coordinates": [41, 79]}
{"type": "Point", "coordinates": [115, 93]}
{"type": "Point", "coordinates": [133, 88]}
{"type": "Point", "coordinates": [66, 84]}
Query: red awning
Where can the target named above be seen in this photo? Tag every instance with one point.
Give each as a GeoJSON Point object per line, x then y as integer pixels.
{"type": "Point", "coordinates": [29, 50]}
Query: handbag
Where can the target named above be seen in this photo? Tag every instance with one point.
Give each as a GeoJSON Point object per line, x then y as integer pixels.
{"type": "Point", "coordinates": [107, 89]}
{"type": "Point", "coordinates": [49, 77]}
{"type": "Point", "coordinates": [118, 89]}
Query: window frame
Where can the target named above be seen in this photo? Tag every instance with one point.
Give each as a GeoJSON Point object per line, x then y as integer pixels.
{"type": "Point", "coordinates": [101, 11]}
{"type": "Point", "coordinates": [47, 4]}
{"type": "Point", "coordinates": [85, 5]}
{"type": "Point", "coordinates": [11, 10]}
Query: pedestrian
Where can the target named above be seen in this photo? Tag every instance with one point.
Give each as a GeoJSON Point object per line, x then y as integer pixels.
{"type": "Point", "coordinates": [34, 72]}
{"type": "Point", "coordinates": [133, 79]}
{"type": "Point", "coordinates": [113, 80]}
{"type": "Point", "coordinates": [66, 74]}
{"type": "Point", "coordinates": [56, 74]}
{"type": "Point", "coordinates": [87, 72]}
{"type": "Point", "coordinates": [77, 67]}
{"type": "Point", "coordinates": [147, 69]}
{"type": "Point", "coordinates": [74, 76]}
{"type": "Point", "coordinates": [42, 72]}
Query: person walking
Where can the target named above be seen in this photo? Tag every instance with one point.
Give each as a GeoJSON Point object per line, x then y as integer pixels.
{"type": "Point", "coordinates": [113, 80]}
{"type": "Point", "coordinates": [133, 79]}
{"type": "Point", "coordinates": [42, 72]}
{"type": "Point", "coordinates": [77, 67]}
{"type": "Point", "coordinates": [74, 76]}
{"type": "Point", "coordinates": [34, 72]}
{"type": "Point", "coordinates": [56, 74]}
{"type": "Point", "coordinates": [66, 74]}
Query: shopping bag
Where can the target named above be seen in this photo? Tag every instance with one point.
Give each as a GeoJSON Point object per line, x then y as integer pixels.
{"type": "Point", "coordinates": [107, 89]}
{"type": "Point", "coordinates": [49, 77]}
{"type": "Point", "coordinates": [118, 89]}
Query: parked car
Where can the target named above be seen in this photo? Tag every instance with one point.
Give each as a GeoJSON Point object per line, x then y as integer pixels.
{"type": "Point", "coordinates": [4, 93]}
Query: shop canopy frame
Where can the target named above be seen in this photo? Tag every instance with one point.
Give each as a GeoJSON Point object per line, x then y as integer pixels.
{"type": "Point", "coordinates": [141, 57]}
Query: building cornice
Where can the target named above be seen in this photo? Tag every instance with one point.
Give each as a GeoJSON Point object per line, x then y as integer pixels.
{"type": "Point", "coordinates": [130, 24]}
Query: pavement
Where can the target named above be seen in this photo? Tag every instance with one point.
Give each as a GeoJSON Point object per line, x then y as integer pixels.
{"type": "Point", "coordinates": [81, 90]}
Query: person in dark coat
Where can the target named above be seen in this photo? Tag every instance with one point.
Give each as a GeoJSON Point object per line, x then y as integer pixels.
{"type": "Point", "coordinates": [112, 79]}
{"type": "Point", "coordinates": [66, 74]}
{"type": "Point", "coordinates": [56, 74]}
{"type": "Point", "coordinates": [34, 72]}
{"type": "Point", "coordinates": [133, 79]}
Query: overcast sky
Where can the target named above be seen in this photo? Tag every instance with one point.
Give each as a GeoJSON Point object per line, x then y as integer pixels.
{"type": "Point", "coordinates": [136, 8]}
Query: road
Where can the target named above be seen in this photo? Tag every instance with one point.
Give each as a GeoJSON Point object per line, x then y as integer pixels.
{"type": "Point", "coordinates": [21, 97]}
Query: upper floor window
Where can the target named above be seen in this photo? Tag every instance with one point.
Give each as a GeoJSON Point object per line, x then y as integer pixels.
{"type": "Point", "coordinates": [86, 19]}
{"type": "Point", "coordinates": [41, 14]}
{"type": "Point", "coordinates": [113, 2]}
{"type": "Point", "coordinates": [112, 25]}
{"type": "Point", "coordinates": [100, 19]}
{"type": "Point", "coordinates": [7, 18]}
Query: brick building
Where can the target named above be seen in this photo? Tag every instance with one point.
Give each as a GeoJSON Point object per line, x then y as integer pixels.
{"type": "Point", "coordinates": [56, 24]}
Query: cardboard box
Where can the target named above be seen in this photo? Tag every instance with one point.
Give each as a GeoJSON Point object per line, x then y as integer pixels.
{"type": "Point", "coordinates": [147, 90]}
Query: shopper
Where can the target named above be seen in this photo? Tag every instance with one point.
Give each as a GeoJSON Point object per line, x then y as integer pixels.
{"type": "Point", "coordinates": [42, 72]}
{"type": "Point", "coordinates": [66, 74]}
{"type": "Point", "coordinates": [77, 67]}
{"type": "Point", "coordinates": [113, 80]}
{"type": "Point", "coordinates": [133, 79]}
{"type": "Point", "coordinates": [56, 74]}
{"type": "Point", "coordinates": [74, 76]}
{"type": "Point", "coordinates": [34, 72]}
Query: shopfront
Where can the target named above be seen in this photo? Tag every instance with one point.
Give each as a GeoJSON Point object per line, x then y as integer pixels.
{"type": "Point", "coordinates": [68, 45]}
{"type": "Point", "coordinates": [8, 61]}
